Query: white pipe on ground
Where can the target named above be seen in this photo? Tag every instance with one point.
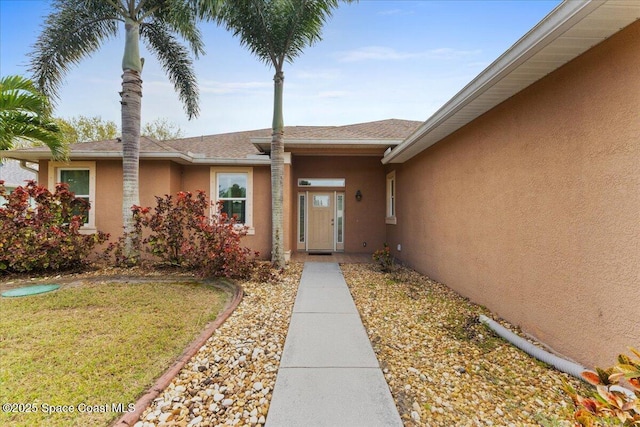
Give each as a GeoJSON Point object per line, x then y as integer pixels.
{"type": "Point", "coordinates": [559, 363]}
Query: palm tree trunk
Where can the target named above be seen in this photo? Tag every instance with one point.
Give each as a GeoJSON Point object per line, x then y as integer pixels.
{"type": "Point", "coordinates": [277, 175]}
{"type": "Point", "coordinates": [131, 107]}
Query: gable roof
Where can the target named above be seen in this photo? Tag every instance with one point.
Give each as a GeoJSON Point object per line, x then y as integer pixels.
{"type": "Point", "coordinates": [568, 31]}
{"type": "Point", "coordinates": [375, 136]}
{"type": "Point", "coordinates": [247, 147]}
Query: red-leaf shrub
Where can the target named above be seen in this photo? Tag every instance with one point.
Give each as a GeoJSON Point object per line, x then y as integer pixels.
{"type": "Point", "coordinates": [180, 232]}
{"type": "Point", "coordinates": [40, 230]}
{"type": "Point", "coordinates": [616, 398]}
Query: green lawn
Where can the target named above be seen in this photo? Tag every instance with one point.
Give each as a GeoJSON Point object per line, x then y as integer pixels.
{"type": "Point", "coordinates": [87, 348]}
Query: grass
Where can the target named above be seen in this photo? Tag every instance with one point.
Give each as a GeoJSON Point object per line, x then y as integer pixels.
{"type": "Point", "coordinates": [94, 348]}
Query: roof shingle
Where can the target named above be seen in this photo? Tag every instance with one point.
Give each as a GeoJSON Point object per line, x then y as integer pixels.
{"type": "Point", "coordinates": [238, 145]}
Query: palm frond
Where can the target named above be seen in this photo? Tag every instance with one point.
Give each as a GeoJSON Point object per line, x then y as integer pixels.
{"type": "Point", "coordinates": [276, 30]}
{"type": "Point", "coordinates": [176, 62]}
{"type": "Point", "coordinates": [178, 15]}
{"type": "Point", "coordinates": [15, 100]}
{"type": "Point", "coordinates": [24, 113]}
{"type": "Point", "coordinates": [16, 82]}
{"type": "Point", "coordinates": [21, 125]}
{"type": "Point", "coordinates": [18, 93]}
{"type": "Point", "coordinates": [304, 25]}
{"type": "Point", "coordinates": [74, 30]}
{"type": "Point", "coordinates": [250, 22]}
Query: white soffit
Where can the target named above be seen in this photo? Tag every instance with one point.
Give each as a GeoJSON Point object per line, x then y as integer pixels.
{"type": "Point", "coordinates": [568, 31]}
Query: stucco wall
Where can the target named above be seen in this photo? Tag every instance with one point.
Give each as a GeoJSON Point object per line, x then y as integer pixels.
{"type": "Point", "coordinates": [158, 178]}
{"type": "Point", "coordinates": [364, 220]}
{"type": "Point", "coordinates": [108, 204]}
{"type": "Point", "coordinates": [196, 178]}
{"type": "Point", "coordinates": [533, 210]}
{"type": "Point", "coordinates": [261, 240]}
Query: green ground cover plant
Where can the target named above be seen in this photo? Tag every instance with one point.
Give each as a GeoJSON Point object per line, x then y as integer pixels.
{"type": "Point", "coordinates": [91, 346]}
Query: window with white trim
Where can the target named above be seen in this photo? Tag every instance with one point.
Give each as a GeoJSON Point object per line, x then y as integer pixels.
{"type": "Point", "coordinates": [233, 188]}
{"type": "Point", "coordinates": [81, 178]}
{"type": "Point", "coordinates": [391, 198]}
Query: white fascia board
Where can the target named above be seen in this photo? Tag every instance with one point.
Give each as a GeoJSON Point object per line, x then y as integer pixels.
{"type": "Point", "coordinates": [235, 162]}
{"type": "Point", "coordinates": [563, 17]}
{"type": "Point", "coordinates": [354, 141]}
{"type": "Point", "coordinates": [35, 156]}
{"type": "Point", "coordinates": [264, 144]}
{"type": "Point", "coordinates": [116, 155]}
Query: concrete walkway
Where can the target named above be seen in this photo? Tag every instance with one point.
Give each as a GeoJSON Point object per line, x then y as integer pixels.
{"type": "Point", "coordinates": [329, 374]}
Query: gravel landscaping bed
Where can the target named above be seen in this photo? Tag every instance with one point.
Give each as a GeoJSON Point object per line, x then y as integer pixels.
{"type": "Point", "coordinates": [231, 378]}
{"type": "Point", "coordinates": [443, 367]}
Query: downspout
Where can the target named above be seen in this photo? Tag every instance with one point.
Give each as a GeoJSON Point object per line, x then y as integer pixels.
{"type": "Point", "coordinates": [562, 365]}
{"type": "Point", "coordinates": [23, 165]}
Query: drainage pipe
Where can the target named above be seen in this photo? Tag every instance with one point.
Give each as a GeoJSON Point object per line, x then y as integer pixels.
{"type": "Point", "coordinates": [23, 165]}
{"type": "Point", "coordinates": [559, 363]}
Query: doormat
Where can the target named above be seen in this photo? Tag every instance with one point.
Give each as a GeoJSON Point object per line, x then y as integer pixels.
{"type": "Point", "coordinates": [320, 253]}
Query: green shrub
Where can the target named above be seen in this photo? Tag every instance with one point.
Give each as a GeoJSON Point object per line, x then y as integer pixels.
{"type": "Point", "coordinates": [384, 259]}
{"type": "Point", "coordinates": [40, 230]}
{"type": "Point", "coordinates": [616, 398]}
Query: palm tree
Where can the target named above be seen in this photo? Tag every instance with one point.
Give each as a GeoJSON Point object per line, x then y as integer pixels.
{"type": "Point", "coordinates": [25, 115]}
{"type": "Point", "coordinates": [77, 28]}
{"type": "Point", "coordinates": [276, 31]}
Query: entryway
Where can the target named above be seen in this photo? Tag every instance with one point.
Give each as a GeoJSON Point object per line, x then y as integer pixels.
{"type": "Point", "coordinates": [321, 221]}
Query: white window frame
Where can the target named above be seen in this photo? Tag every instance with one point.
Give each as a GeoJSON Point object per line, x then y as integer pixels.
{"type": "Point", "coordinates": [392, 195]}
{"type": "Point", "coordinates": [54, 178]}
{"type": "Point", "coordinates": [249, 206]}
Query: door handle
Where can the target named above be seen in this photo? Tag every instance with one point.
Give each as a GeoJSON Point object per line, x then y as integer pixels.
{"type": "Point", "coordinates": [331, 221]}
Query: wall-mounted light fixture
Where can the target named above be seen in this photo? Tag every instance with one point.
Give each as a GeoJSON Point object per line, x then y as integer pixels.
{"type": "Point", "coordinates": [358, 195]}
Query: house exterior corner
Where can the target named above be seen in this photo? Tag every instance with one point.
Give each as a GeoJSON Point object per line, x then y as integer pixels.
{"type": "Point", "coordinates": [533, 209]}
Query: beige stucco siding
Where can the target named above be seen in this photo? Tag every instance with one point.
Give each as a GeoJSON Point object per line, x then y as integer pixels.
{"type": "Point", "coordinates": [194, 178]}
{"type": "Point", "coordinates": [533, 210]}
{"type": "Point", "coordinates": [175, 178]}
{"type": "Point", "coordinates": [108, 204]}
{"type": "Point", "coordinates": [158, 178]}
{"type": "Point", "coordinates": [261, 240]}
{"type": "Point", "coordinates": [364, 220]}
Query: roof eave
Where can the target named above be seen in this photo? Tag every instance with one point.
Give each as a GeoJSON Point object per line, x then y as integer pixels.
{"type": "Point", "coordinates": [562, 18]}
{"type": "Point", "coordinates": [189, 158]}
{"type": "Point", "coordinates": [264, 144]}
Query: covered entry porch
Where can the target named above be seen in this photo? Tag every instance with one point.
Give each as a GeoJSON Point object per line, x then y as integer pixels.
{"type": "Point", "coordinates": [338, 204]}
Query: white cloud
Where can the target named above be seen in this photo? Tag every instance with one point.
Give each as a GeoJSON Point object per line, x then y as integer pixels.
{"type": "Point", "coordinates": [381, 53]}
{"type": "Point", "coordinates": [394, 12]}
{"type": "Point", "coordinates": [225, 88]}
{"type": "Point", "coordinates": [317, 74]}
{"type": "Point", "coordinates": [333, 94]}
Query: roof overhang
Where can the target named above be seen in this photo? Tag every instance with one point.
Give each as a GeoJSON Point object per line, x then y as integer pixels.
{"type": "Point", "coordinates": [178, 157]}
{"type": "Point", "coordinates": [310, 145]}
{"type": "Point", "coordinates": [568, 31]}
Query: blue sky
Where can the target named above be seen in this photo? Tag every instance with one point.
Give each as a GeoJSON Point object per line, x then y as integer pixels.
{"type": "Point", "coordinates": [377, 60]}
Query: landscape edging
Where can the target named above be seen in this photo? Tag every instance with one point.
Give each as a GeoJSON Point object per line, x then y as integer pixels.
{"type": "Point", "coordinates": [130, 418]}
